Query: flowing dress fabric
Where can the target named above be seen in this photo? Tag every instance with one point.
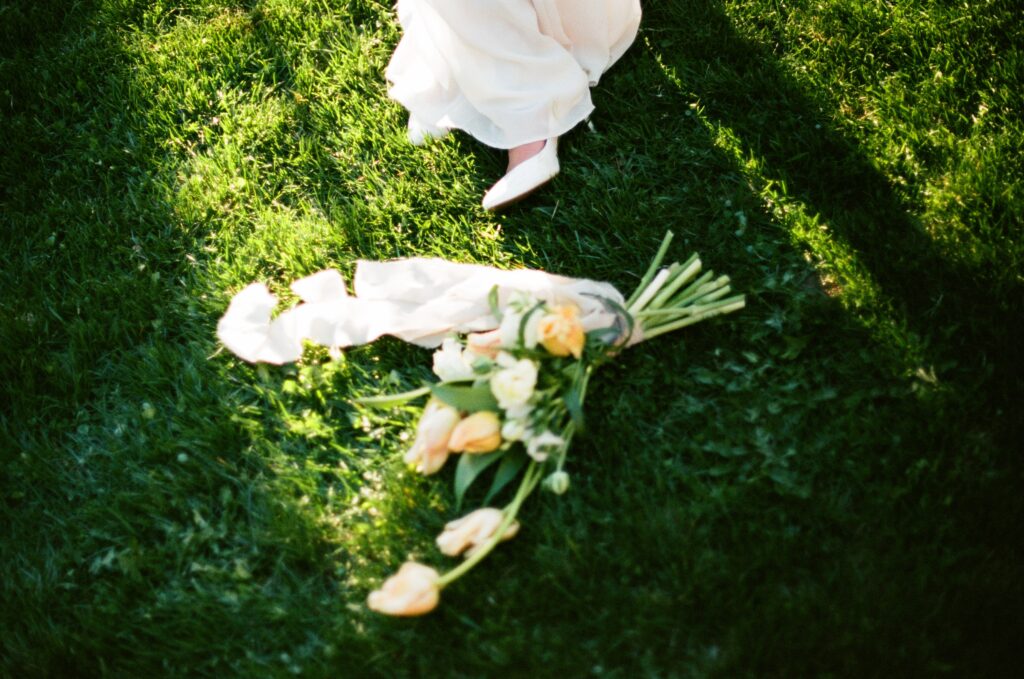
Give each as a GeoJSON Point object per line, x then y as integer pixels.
{"type": "Point", "coordinates": [507, 72]}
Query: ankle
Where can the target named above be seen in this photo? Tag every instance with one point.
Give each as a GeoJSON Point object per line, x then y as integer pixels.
{"type": "Point", "coordinates": [520, 154]}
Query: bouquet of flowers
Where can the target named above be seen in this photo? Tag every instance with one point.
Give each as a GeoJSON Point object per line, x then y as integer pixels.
{"type": "Point", "coordinates": [514, 362]}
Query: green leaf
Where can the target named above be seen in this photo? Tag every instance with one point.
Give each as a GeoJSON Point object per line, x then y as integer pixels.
{"type": "Point", "coordinates": [510, 466]}
{"type": "Point", "coordinates": [521, 335]}
{"type": "Point", "coordinates": [574, 406]}
{"type": "Point", "coordinates": [391, 400]}
{"type": "Point", "coordinates": [574, 395]}
{"type": "Point", "coordinates": [470, 466]}
{"type": "Point", "coordinates": [471, 399]}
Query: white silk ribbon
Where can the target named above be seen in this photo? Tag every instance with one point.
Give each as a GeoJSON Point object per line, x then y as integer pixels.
{"type": "Point", "coordinates": [417, 300]}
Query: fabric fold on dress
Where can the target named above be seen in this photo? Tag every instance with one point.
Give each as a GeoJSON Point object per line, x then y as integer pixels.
{"type": "Point", "coordinates": [507, 72]}
{"type": "Point", "coordinates": [418, 300]}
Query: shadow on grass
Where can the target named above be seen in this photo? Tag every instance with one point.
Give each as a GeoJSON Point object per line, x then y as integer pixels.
{"type": "Point", "coordinates": [960, 312]}
{"type": "Point", "coordinates": [961, 316]}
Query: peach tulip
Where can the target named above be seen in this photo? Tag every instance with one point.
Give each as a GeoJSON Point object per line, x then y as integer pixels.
{"type": "Point", "coordinates": [430, 449]}
{"type": "Point", "coordinates": [478, 433]}
{"type": "Point", "coordinates": [411, 591]}
{"type": "Point", "coordinates": [472, 531]}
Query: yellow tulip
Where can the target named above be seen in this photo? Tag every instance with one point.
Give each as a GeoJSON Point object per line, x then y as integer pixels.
{"type": "Point", "coordinates": [561, 332]}
{"type": "Point", "coordinates": [411, 591]}
{"type": "Point", "coordinates": [478, 433]}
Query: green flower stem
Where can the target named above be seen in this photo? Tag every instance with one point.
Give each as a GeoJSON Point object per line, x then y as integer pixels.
{"type": "Point", "coordinates": [710, 296]}
{"type": "Point", "coordinates": [686, 273]}
{"type": "Point", "coordinates": [650, 291]}
{"type": "Point", "coordinates": [567, 434]}
{"type": "Point", "coordinates": [651, 270]}
{"type": "Point", "coordinates": [717, 284]}
{"type": "Point", "coordinates": [391, 400]}
{"type": "Point", "coordinates": [530, 480]}
{"type": "Point", "coordinates": [582, 379]}
{"type": "Point", "coordinates": [724, 307]}
{"type": "Point", "coordinates": [691, 290]}
{"type": "Point", "coordinates": [650, 320]}
{"type": "Point", "coordinates": [669, 313]}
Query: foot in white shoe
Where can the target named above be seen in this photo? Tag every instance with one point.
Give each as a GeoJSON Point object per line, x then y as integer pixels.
{"type": "Point", "coordinates": [420, 132]}
{"type": "Point", "coordinates": [524, 177]}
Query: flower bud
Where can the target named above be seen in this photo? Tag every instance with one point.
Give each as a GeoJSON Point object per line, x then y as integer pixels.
{"type": "Point", "coordinates": [411, 591]}
{"type": "Point", "coordinates": [478, 433]}
{"type": "Point", "coordinates": [473, 531]}
{"type": "Point", "coordinates": [561, 332]}
{"type": "Point", "coordinates": [557, 482]}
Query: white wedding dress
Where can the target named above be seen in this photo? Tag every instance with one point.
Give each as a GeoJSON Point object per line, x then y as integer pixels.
{"type": "Point", "coordinates": [507, 72]}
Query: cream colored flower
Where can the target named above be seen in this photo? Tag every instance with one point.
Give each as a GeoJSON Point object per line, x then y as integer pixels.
{"type": "Point", "coordinates": [411, 591]}
{"type": "Point", "coordinates": [510, 325]}
{"type": "Point", "coordinates": [513, 384]}
{"type": "Point", "coordinates": [541, 445]}
{"type": "Point", "coordinates": [473, 531]}
{"type": "Point", "coordinates": [450, 362]}
{"type": "Point", "coordinates": [514, 430]}
{"type": "Point", "coordinates": [561, 332]}
{"type": "Point", "coordinates": [478, 433]}
{"type": "Point", "coordinates": [430, 449]}
{"type": "Point", "coordinates": [516, 426]}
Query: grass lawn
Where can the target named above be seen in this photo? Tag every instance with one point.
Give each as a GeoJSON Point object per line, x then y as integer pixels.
{"type": "Point", "coordinates": [827, 483]}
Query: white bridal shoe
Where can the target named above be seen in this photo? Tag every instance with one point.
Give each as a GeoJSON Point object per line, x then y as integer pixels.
{"type": "Point", "coordinates": [420, 132]}
{"type": "Point", "coordinates": [524, 177]}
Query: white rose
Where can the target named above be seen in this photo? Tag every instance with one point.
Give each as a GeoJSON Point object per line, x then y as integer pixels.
{"type": "Point", "coordinates": [450, 362]}
{"type": "Point", "coordinates": [513, 384]}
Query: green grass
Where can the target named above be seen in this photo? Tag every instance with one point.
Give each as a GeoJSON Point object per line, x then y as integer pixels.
{"type": "Point", "coordinates": [825, 484]}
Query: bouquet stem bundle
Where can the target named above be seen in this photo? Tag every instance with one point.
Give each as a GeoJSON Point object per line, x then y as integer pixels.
{"type": "Point", "coordinates": [675, 297]}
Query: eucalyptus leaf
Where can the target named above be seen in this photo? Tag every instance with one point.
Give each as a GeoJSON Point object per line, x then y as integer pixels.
{"type": "Point", "coordinates": [471, 399]}
{"type": "Point", "coordinates": [471, 466]}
